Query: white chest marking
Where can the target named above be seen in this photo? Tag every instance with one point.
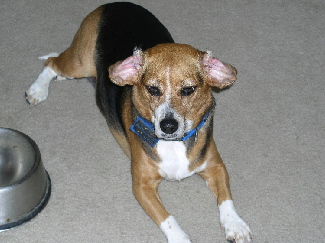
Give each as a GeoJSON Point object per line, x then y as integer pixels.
{"type": "Point", "coordinates": [174, 164]}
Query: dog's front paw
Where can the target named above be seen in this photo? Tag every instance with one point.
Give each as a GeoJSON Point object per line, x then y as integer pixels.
{"type": "Point", "coordinates": [173, 232]}
{"type": "Point", "coordinates": [235, 228]}
{"type": "Point", "coordinates": [36, 93]}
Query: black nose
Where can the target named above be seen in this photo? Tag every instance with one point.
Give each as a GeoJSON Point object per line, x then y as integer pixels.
{"type": "Point", "coordinates": [169, 126]}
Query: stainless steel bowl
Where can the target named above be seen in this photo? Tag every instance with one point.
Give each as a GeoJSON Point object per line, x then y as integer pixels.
{"type": "Point", "coordinates": [25, 186]}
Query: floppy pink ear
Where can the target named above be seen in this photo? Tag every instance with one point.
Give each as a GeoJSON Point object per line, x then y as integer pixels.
{"type": "Point", "coordinates": [218, 74]}
{"type": "Point", "coordinates": [126, 72]}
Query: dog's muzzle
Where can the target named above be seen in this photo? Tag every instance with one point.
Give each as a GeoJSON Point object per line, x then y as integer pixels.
{"type": "Point", "coordinates": [146, 130]}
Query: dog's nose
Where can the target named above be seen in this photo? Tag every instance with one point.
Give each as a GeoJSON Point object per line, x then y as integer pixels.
{"type": "Point", "coordinates": [169, 125]}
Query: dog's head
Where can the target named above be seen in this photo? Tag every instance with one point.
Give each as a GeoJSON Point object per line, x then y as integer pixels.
{"type": "Point", "coordinates": [172, 85]}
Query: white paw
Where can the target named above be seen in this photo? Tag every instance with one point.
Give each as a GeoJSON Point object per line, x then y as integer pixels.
{"type": "Point", "coordinates": [36, 93]}
{"type": "Point", "coordinates": [235, 228]}
{"type": "Point", "coordinates": [173, 232]}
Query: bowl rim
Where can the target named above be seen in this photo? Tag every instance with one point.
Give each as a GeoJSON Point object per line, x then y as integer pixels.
{"type": "Point", "coordinates": [35, 211]}
{"type": "Point", "coordinates": [37, 162]}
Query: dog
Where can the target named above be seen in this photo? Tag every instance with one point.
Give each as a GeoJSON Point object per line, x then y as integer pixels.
{"type": "Point", "coordinates": [156, 96]}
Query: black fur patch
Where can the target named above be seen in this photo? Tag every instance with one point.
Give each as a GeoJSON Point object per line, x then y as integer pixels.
{"type": "Point", "coordinates": [123, 27]}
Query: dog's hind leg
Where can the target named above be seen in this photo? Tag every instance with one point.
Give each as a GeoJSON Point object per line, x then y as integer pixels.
{"type": "Point", "coordinates": [54, 67]}
{"type": "Point", "coordinates": [75, 62]}
{"type": "Point", "coordinates": [69, 64]}
{"type": "Point", "coordinates": [38, 91]}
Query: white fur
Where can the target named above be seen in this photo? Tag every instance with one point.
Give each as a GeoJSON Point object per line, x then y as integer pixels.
{"type": "Point", "coordinates": [61, 78]}
{"type": "Point", "coordinates": [174, 164]}
{"type": "Point", "coordinates": [45, 57]}
{"type": "Point", "coordinates": [160, 114]}
{"type": "Point", "coordinates": [173, 231]}
{"type": "Point", "coordinates": [38, 91]}
{"type": "Point", "coordinates": [235, 228]}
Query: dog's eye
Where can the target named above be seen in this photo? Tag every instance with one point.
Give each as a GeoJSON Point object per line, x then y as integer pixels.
{"type": "Point", "coordinates": [153, 90]}
{"type": "Point", "coordinates": [188, 91]}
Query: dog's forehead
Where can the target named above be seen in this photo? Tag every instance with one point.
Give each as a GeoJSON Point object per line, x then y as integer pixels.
{"type": "Point", "coordinates": [172, 62]}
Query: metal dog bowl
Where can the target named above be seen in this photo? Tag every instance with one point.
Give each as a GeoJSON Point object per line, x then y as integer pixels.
{"type": "Point", "coordinates": [25, 186]}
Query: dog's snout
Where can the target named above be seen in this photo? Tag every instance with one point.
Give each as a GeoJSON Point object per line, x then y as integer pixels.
{"type": "Point", "coordinates": [169, 125]}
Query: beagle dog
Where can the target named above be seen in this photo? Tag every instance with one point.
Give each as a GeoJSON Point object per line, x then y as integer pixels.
{"type": "Point", "coordinates": [156, 96]}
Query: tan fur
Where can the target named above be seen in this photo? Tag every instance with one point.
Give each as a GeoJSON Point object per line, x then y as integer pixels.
{"type": "Point", "coordinates": [78, 60]}
{"type": "Point", "coordinates": [171, 68]}
{"type": "Point", "coordinates": [216, 175]}
{"type": "Point", "coordinates": [183, 63]}
{"type": "Point", "coordinates": [146, 180]}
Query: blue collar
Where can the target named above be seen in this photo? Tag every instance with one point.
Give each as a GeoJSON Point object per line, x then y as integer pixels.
{"type": "Point", "coordinates": [146, 130]}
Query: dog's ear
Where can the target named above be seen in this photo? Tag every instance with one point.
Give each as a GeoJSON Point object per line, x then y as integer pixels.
{"type": "Point", "coordinates": [127, 72]}
{"type": "Point", "coordinates": [218, 74]}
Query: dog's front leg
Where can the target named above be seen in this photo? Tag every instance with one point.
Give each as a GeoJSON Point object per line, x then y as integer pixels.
{"type": "Point", "coordinates": [217, 179]}
{"type": "Point", "coordinates": [146, 180]}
